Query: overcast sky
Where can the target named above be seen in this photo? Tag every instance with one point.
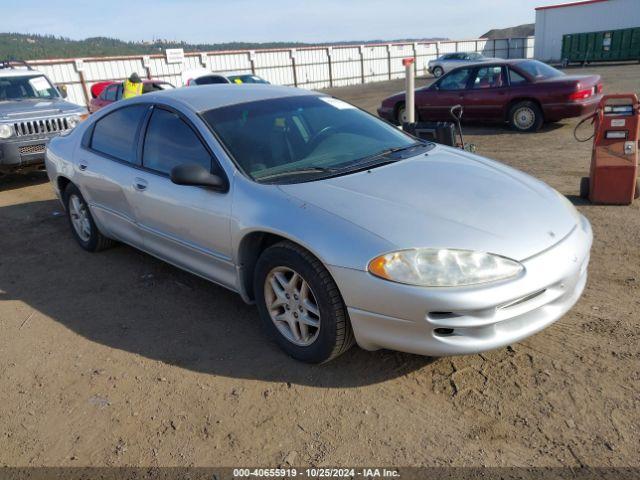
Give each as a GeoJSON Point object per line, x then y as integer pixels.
{"type": "Point", "coordinates": [213, 21]}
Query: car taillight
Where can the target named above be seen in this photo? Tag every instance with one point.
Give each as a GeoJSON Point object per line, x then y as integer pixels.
{"type": "Point", "coordinates": [581, 94]}
{"type": "Point", "coordinates": [599, 88]}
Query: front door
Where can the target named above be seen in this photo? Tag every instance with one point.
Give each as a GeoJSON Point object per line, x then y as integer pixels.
{"type": "Point", "coordinates": [188, 226]}
{"type": "Point", "coordinates": [435, 102]}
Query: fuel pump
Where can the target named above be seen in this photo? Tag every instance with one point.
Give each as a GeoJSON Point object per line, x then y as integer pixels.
{"type": "Point", "coordinates": [614, 156]}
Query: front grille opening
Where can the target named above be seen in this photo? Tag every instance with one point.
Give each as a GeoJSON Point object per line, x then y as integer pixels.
{"type": "Point", "coordinates": [30, 149]}
{"type": "Point", "coordinates": [442, 315]}
{"type": "Point", "coordinates": [443, 332]}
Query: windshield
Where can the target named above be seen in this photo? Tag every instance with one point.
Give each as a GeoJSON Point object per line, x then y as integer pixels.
{"type": "Point", "coordinates": [538, 69]}
{"type": "Point", "coordinates": [476, 56]}
{"type": "Point", "coordinates": [246, 79]}
{"type": "Point", "coordinates": [310, 135]}
{"type": "Point", "coordinates": [29, 86]}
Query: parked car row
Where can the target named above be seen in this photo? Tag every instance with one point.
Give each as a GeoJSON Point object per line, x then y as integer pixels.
{"type": "Point", "coordinates": [523, 93]}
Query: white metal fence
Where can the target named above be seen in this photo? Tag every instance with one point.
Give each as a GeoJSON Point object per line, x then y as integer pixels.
{"type": "Point", "coordinates": [309, 67]}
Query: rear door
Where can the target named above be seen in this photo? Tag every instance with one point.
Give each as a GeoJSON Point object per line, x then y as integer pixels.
{"type": "Point", "coordinates": [188, 226]}
{"type": "Point", "coordinates": [435, 102]}
{"type": "Point", "coordinates": [487, 94]}
{"type": "Point", "coordinates": [107, 164]}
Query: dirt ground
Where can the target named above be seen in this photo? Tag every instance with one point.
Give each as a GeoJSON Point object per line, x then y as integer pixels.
{"type": "Point", "coordinates": [119, 359]}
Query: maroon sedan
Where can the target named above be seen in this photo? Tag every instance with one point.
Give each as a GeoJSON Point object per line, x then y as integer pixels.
{"type": "Point", "coordinates": [112, 92]}
{"type": "Point", "coordinates": [524, 93]}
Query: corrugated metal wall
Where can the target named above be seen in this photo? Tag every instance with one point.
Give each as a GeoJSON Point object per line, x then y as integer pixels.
{"type": "Point", "coordinates": [314, 67]}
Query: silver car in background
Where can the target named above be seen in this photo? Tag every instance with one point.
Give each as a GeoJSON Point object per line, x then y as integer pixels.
{"type": "Point", "coordinates": [340, 227]}
{"type": "Point", "coordinates": [447, 62]}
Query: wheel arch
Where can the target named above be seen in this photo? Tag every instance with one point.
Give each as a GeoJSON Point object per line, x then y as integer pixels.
{"type": "Point", "coordinates": [62, 182]}
{"type": "Point", "coordinates": [250, 247]}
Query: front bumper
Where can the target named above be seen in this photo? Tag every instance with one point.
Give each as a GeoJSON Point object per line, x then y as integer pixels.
{"type": "Point", "coordinates": [17, 154]}
{"type": "Point", "coordinates": [465, 320]}
{"type": "Point", "coordinates": [388, 113]}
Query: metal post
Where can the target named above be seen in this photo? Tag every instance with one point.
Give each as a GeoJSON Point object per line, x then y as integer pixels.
{"type": "Point", "coordinates": [494, 48]}
{"type": "Point", "coordinates": [508, 48]}
{"type": "Point", "coordinates": [361, 63]}
{"type": "Point", "coordinates": [409, 101]}
{"type": "Point", "coordinates": [389, 60]}
{"type": "Point", "coordinates": [329, 53]}
{"type": "Point", "coordinates": [293, 66]}
{"type": "Point", "coordinates": [252, 61]}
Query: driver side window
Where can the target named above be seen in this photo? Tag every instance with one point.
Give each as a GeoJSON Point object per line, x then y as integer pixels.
{"type": "Point", "coordinates": [456, 80]}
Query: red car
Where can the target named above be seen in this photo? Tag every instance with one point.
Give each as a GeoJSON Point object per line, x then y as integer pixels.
{"type": "Point", "coordinates": [112, 92]}
{"type": "Point", "coordinates": [523, 93]}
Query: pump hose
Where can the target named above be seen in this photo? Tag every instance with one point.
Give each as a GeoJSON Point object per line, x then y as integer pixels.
{"type": "Point", "coordinates": [591, 117]}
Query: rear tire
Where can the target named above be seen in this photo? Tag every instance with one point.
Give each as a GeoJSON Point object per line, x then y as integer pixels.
{"type": "Point", "coordinates": [312, 295]}
{"type": "Point", "coordinates": [83, 228]}
{"type": "Point", "coordinates": [438, 72]}
{"type": "Point", "coordinates": [525, 116]}
{"type": "Point", "coordinates": [584, 187]}
{"type": "Point", "coordinates": [401, 114]}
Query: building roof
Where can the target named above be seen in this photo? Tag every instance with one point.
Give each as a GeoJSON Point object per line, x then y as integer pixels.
{"type": "Point", "coordinates": [571, 4]}
{"type": "Point", "coordinates": [206, 97]}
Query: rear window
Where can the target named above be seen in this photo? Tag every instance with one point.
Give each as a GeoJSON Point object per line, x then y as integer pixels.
{"type": "Point", "coordinates": [539, 69]}
{"type": "Point", "coordinates": [115, 134]}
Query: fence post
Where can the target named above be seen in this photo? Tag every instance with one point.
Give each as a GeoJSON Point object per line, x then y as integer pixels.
{"type": "Point", "coordinates": [146, 63]}
{"type": "Point", "coordinates": [389, 59]}
{"type": "Point", "coordinates": [494, 47]}
{"type": "Point", "coordinates": [292, 54]}
{"type": "Point", "coordinates": [252, 61]}
{"type": "Point", "coordinates": [437, 49]}
{"type": "Point", "coordinates": [329, 53]}
{"type": "Point", "coordinates": [79, 66]}
{"type": "Point", "coordinates": [476, 50]}
{"type": "Point", "coordinates": [508, 48]}
{"type": "Point", "coordinates": [456, 46]}
{"type": "Point", "coordinates": [361, 48]}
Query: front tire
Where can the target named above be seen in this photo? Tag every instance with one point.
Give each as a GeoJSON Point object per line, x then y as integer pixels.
{"type": "Point", "coordinates": [438, 72]}
{"type": "Point", "coordinates": [81, 222]}
{"type": "Point", "coordinates": [525, 116]}
{"type": "Point", "coordinates": [300, 304]}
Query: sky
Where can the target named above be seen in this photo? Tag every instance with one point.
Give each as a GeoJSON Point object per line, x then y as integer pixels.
{"type": "Point", "coordinates": [216, 21]}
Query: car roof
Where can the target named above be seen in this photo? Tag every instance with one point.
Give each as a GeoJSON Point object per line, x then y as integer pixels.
{"type": "Point", "coordinates": [19, 72]}
{"type": "Point", "coordinates": [207, 97]}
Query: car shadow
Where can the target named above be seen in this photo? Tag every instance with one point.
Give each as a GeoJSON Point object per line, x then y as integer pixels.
{"type": "Point", "coordinates": [12, 181]}
{"type": "Point", "coordinates": [130, 301]}
{"type": "Point", "coordinates": [480, 129]}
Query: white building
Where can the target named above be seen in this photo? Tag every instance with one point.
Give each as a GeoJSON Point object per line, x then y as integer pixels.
{"type": "Point", "coordinates": [553, 21]}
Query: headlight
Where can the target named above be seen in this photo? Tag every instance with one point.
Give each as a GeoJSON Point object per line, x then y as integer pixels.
{"type": "Point", "coordinates": [73, 121]}
{"type": "Point", "coordinates": [5, 130]}
{"type": "Point", "coordinates": [430, 267]}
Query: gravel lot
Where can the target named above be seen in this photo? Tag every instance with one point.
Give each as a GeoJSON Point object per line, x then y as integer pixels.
{"type": "Point", "coordinates": [119, 359]}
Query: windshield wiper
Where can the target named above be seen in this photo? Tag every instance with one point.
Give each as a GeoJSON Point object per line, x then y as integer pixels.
{"type": "Point", "coordinates": [299, 171]}
{"type": "Point", "coordinates": [385, 153]}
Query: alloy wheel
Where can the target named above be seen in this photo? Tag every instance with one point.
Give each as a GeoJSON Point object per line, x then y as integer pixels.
{"type": "Point", "coordinates": [79, 214]}
{"type": "Point", "coordinates": [292, 306]}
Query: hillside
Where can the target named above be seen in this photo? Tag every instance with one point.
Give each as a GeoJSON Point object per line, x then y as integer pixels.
{"type": "Point", "coordinates": [525, 30]}
{"type": "Point", "coordinates": [31, 47]}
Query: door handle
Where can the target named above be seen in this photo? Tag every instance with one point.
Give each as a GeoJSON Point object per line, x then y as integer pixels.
{"type": "Point", "coordinates": [140, 184]}
{"type": "Point", "coordinates": [82, 166]}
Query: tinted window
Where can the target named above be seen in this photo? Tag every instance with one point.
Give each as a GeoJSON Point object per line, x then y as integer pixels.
{"type": "Point", "coordinates": [246, 79]}
{"type": "Point", "coordinates": [209, 80]}
{"type": "Point", "coordinates": [115, 134]}
{"type": "Point", "coordinates": [171, 142]}
{"type": "Point", "coordinates": [489, 77]}
{"type": "Point", "coordinates": [19, 88]}
{"type": "Point", "coordinates": [515, 78]}
{"type": "Point", "coordinates": [456, 80]}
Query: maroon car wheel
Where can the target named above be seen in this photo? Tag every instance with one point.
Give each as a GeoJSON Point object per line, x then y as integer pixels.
{"type": "Point", "coordinates": [525, 116]}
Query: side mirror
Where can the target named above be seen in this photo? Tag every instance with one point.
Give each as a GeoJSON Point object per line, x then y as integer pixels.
{"type": "Point", "coordinates": [196, 175]}
{"type": "Point", "coordinates": [63, 90]}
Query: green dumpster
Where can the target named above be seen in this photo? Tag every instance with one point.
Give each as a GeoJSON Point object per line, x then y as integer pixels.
{"type": "Point", "coordinates": [605, 46]}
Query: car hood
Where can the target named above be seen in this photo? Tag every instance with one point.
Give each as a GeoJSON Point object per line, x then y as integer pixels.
{"type": "Point", "coordinates": [447, 198]}
{"type": "Point", "coordinates": [34, 108]}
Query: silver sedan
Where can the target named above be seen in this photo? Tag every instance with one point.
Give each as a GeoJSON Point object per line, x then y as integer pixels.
{"type": "Point", "coordinates": [340, 227]}
{"type": "Point", "coordinates": [447, 62]}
